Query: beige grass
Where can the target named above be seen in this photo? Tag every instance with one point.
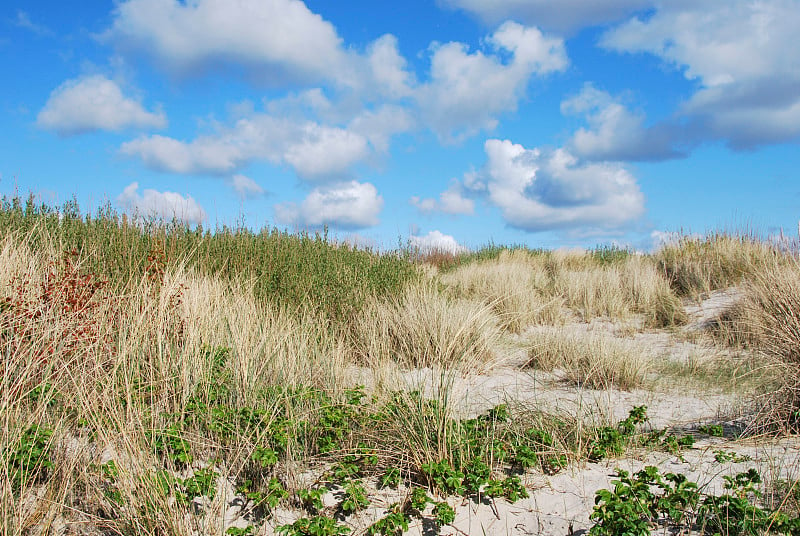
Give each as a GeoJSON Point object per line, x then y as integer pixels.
{"type": "Point", "coordinates": [768, 319]}
{"type": "Point", "coordinates": [618, 290]}
{"type": "Point", "coordinates": [119, 365]}
{"type": "Point", "coordinates": [588, 359]}
{"type": "Point", "coordinates": [425, 328]}
{"type": "Point", "coordinates": [513, 286]}
{"type": "Point", "coordinates": [694, 265]}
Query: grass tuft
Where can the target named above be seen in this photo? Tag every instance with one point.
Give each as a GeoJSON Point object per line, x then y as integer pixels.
{"type": "Point", "coordinates": [588, 359]}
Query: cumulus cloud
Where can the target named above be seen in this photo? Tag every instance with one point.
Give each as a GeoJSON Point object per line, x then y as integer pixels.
{"type": "Point", "coordinates": [94, 103]}
{"type": "Point", "coordinates": [346, 205]}
{"type": "Point", "coordinates": [737, 51]}
{"type": "Point", "coordinates": [539, 190]}
{"type": "Point", "coordinates": [278, 39]}
{"type": "Point", "coordinates": [389, 69]}
{"type": "Point", "coordinates": [616, 133]}
{"type": "Point", "coordinates": [451, 201]}
{"type": "Point", "coordinates": [315, 151]}
{"type": "Point", "coordinates": [378, 126]}
{"type": "Point", "coordinates": [435, 241]}
{"type": "Point", "coordinates": [272, 42]}
{"type": "Point", "coordinates": [468, 90]}
{"type": "Point", "coordinates": [321, 151]}
{"type": "Point", "coordinates": [163, 205]}
{"type": "Point", "coordinates": [245, 187]}
{"type": "Point", "coordinates": [562, 16]}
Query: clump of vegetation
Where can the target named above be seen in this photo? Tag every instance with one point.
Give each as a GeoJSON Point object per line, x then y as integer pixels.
{"type": "Point", "coordinates": [513, 285]}
{"type": "Point", "coordinates": [768, 319]}
{"type": "Point", "coordinates": [695, 265]}
{"type": "Point", "coordinates": [642, 502]}
{"type": "Point", "coordinates": [202, 361]}
{"type": "Point", "coordinates": [587, 359]}
{"type": "Point", "coordinates": [425, 328]}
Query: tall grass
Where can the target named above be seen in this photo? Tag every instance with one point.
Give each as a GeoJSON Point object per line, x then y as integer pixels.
{"type": "Point", "coordinates": [694, 266]}
{"type": "Point", "coordinates": [170, 351]}
{"type": "Point", "coordinates": [295, 271]}
{"type": "Point", "coordinates": [767, 319]}
{"type": "Point", "coordinates": [588, 359]}
{"type": "Point", "coordinates": [425, 328]}
{"type": "Point", "coordinates": [513, 286]}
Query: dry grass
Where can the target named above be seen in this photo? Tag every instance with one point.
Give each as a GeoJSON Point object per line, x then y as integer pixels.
{"type": "Point", "coordinates": [617, 290]}
{"type": "Point", "coordinates": [694, 266]}
{"type": "Point", "coordinates": [768, 319]}
{"type": "Point", "coordinates": [99, 370]}
{"type": "Point", "coordinates": [526, 289]}
{"type": "Point", "coordinates": [108, 363]}
{"type": "Point", "coordinates": [513, 285]}
{"type": "Point", "coordinates": [425, 328]}
{"type": "Point", "coordinates": [588, 359]}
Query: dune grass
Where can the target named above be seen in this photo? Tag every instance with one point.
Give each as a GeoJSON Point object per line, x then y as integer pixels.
{"type": "Point", "coordinates": [767, 320]}
{"type": "Point", "coordinates": [589, 359]}
{"type": "Point", "coordinates": [514, 286]}
{"type": "Point", "coordinates": [151, 371]}
{"type": "Point", "coordinates": [695, 265]}
{"type": "Point", "coordinates": [294, 271]}
{"type": "Point", "coordinates": [425, 328]}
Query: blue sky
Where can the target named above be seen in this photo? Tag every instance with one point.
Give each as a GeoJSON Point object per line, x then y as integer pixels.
{"type": "Point", "coordinates": [447, 123]}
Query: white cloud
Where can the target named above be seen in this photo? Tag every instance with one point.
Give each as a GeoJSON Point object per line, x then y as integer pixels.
{"type": "Point", "coordinates": [543, 190]}
{"type": "Point", "coordinates": [94, 103]}
{"type": "Point", "coordinates": [274, 39]}
{"type": "Point", "coordinates": [616, 133]}
{"type": "Point", "coordinates": [389, 70]}
{"type": "Point", "coordinates": [561, 16]}
{"type": "Point", "coordinates": [347, 205]}
{"type": "Point", "coordinates": [245, 187]}
{"type": "Point", "coordinates": [451, 201]}
{"type": "Point", "coordinates": [739, 53]}
{"type": "Point", "coordinates": [323, 151]}
{"type": "Point", "coordinates": [162, 205]}
{"type": "Point", "coordinates": [435, 241]}
{"type": "Point", "coordinates": [467, 91]}
{"type": "Point", "coordinates": [315, 151]}
{"type": "Point", "coordinates": [378, 126]}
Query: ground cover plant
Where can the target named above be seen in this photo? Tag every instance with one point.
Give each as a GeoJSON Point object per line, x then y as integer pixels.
{"type": "Point", "coordinates": [154, 375]}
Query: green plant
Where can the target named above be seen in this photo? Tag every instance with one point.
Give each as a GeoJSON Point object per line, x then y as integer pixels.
{"type": "Point", "coordinates": [312, 498]}
{"type": "Point", "coordinates": [28, 460]}
{"type": "Point", "coordinates": [443, 514]}
{"type": "Point", "coordinates": [639, 502]}
{"type": "Point", "coordinates": [714, 430]}
{"type": "Point", "coordinates": [390, 478]}
{"type": "Point", "coordinates": [201, 484]}
{"type": "Point", "coordinates": [110, 473]}
{"type": "Point", "coordinates": [265, 457]}
{"type": "Point", "coordinates": [627, 509]}
{"type": "Point", "coordinates": [444, 477]}
{"type": "Point", "coordinates": [314, 526]}
{"type": "Point", "coordinates": [393, 523]}
{"type": "Point", "coordinates": [45, 392]}
{"type": "Point", "coordinates": [355, 497]}
{"type": "Point", "coordinates": [170, 444]}
{"type": "Point", "coordinates": [732, 513]}
{"type": "Point", "coordinates": [237, 531]}
{"type": "Point", "coordinates": [511, 488]}
{"type": "Point", "coordinates": [610, 440]}
{"type": "Point", "coordinates": [346, 469]}
{"type": "Point", "coordinates": [419, 499]}
{"type": "Point", "coordinates": [722, 456]}
{"type": "Point", "coordinates": [476, 473]}
{"type": "Point", "coordinates": [270, 498]}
